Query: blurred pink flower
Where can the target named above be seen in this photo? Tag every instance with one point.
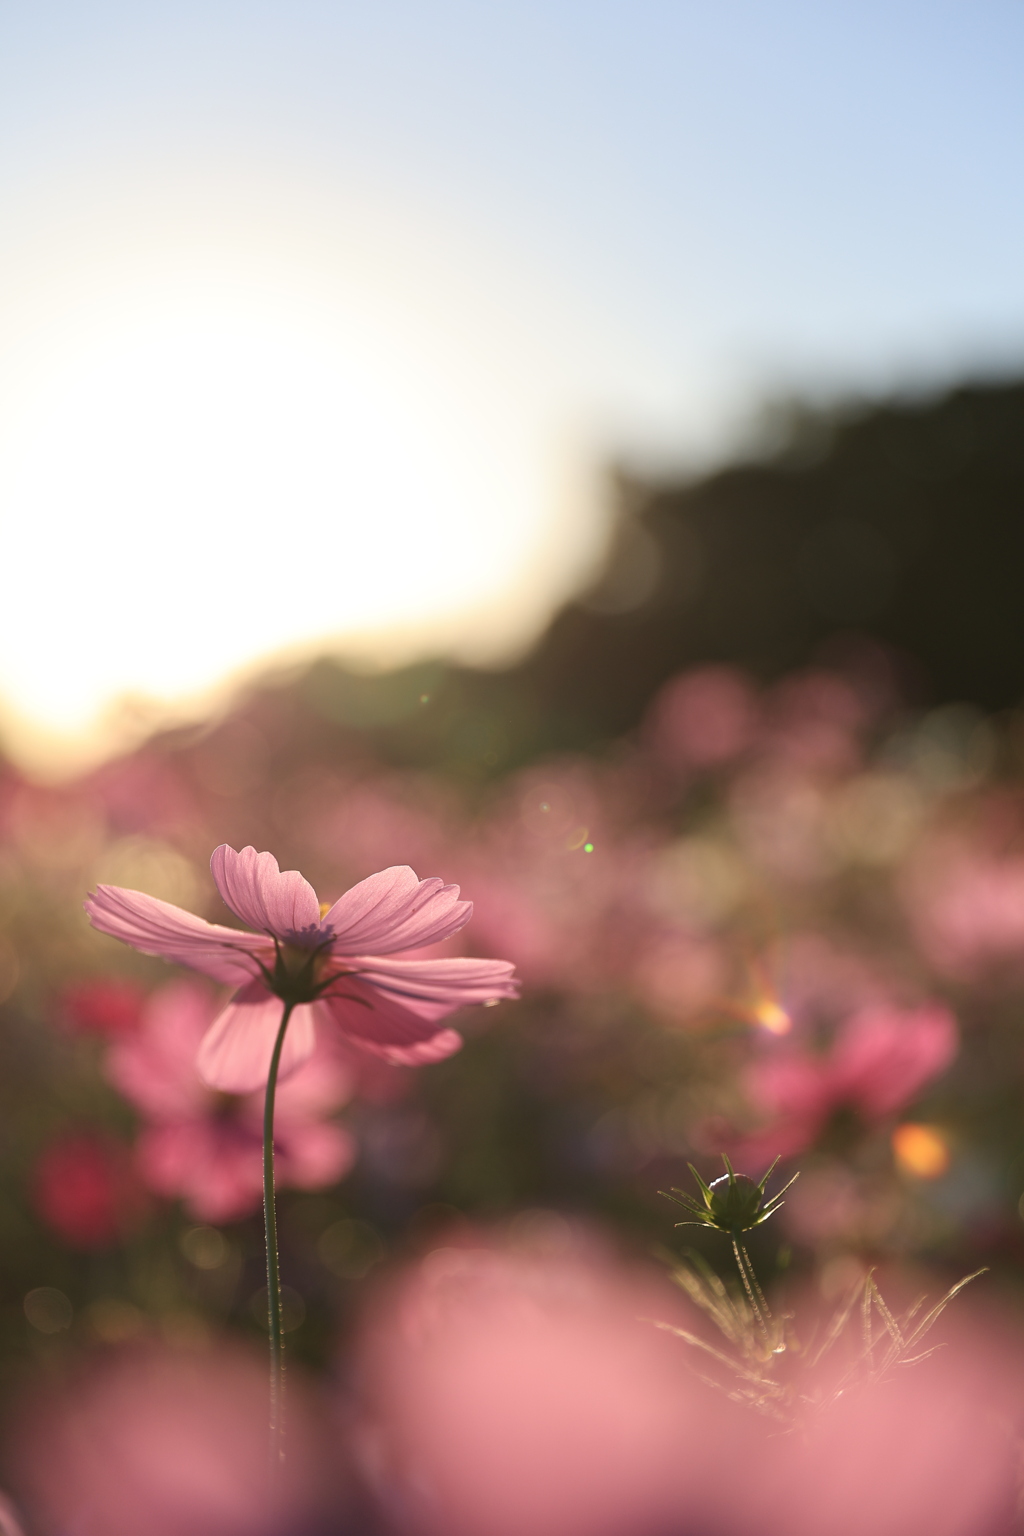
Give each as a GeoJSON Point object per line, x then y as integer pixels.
{"type": "Point", "coordinates": [162, 1442]}
{"type": "Point", "coordinates": [84, 1189]}
{"type": "Point", "coordinates": [386, 817]}
{"type": "Point", "coordinates": [884, 1056]}
{"type": "Point", "coordinates": [681, 976]}
{"type": "Point", "coordinates": [931, 1450]}
{"type": "Point", "coordinates": [205, 1147]}
{"type": "Point", "coordinates": [779, 813]}
{"type": "Point", "coordinates": [143, 792]}
{"type": "Point", "coordinates": [105, 1006]}
{"type": "Point", "coordinates": [558, 879]}
{"type": "Point", "coordinates": [703, 718]}
{"type": "Point", "coordinates": [317, 958]}
{"type": "Point", "coordinates": [881, 1057]}
{"type": "Point", "coordinates": [516, 1387]}
{"type": "Point", "coordinates": [966, 906]}
{"type": "Point", "coordinates": [822, 982]}
{"type": "Point", "coordinates": [10, 1525]}
{"type": "Point", "coordinates": [815, 720]}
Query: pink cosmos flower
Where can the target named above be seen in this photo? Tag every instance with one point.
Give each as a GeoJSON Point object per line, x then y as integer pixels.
{"type": "Point", "coordinates": [205, 1147]}
{"type": "Point", "coordinates": [348, 966]}
{"type": "Point", "coordinates": [881, 1058]}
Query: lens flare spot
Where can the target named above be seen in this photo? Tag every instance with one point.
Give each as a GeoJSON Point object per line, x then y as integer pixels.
{"type": "Point", "coordinates": [771, 1016]}
{"type": "Point", "coordinates": [920, 1150]}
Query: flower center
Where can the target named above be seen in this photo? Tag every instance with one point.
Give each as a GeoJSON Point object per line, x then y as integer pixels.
{"type": "Point", "coordinates": [299, 975]}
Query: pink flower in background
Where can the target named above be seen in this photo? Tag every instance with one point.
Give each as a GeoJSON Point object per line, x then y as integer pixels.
{"type": "Point", "coordinates": [143, 792]}
{"type": "Point", "coordinates": [704, 718]}
{"type": "Point", "coordinates": [966, 906]}
{"type": "Point", "coordinates": [348, 966]}
{"type": "Point", "coordinates": [823, 982]}
{"type": "Point", "coordinates": [681, 975]}
{"type": "Point", "coordinates": [386, 817]}
{"type": "Point", "coordinates": [815, 720]}
{"type": "Point", "coordinates": [205, 1147]}
{"type": "Point", "coordinates": [558, 876]}
{"type": "Point", "coordinates": [106, 1006]}
{"type": "Point", "coordinates": [84, 1189]}
{"type": "Point", "coordinates": [881, 1058]}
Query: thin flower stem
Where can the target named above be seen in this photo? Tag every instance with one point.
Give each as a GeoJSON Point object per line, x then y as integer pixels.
{"type": "Point", "coordinates": [273, 1267]}
{"type": "Point", "coordinates": [750, 1284]}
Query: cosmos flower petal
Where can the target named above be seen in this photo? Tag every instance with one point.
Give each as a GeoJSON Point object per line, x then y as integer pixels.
{"type": "Point", "coordinates": [453, 982]}
{"type": "Point", "coordinates": [385, 1026]}
{"type": "Point", "coordinates": [235, 1052]}
{"type": "Point", "coordinates": [258, 892]}
{"type": "Point", "coordinates": [395, 910]}
{"type": "Point", "coordinates": [423, 1052]}
{"type": "Point", "coordinates": [390, 1006]}
{"type": "Point", "coordinates": [158, 928]}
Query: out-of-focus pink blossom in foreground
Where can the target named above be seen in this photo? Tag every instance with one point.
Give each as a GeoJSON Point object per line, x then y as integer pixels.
{"type": "Point", "coordinates": [158, 1442]}
{"type": "Point", "coordinates": [205, 1147]}
{"type": "Point", "coordinates": [881, 1058]}
{"type": "Point", "coordinates": [930, 1450]}
{"type": "Point", "coordinates": [520, 1391]}
{"type": "Point", "coordinates": [84, 1189]}
{"type": "Point", "coordinates": [348, 967]}
{"type": "Point", "coordinates": [517, 1389]}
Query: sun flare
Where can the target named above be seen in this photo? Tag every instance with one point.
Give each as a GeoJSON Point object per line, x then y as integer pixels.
{"type": "Point", "coordinates": [202, 473]}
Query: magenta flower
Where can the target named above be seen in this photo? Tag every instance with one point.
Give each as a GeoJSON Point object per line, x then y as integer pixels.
{"type": "Point", "coordinates": [346, 967]}
{"type": "Point", "coordinates": [84, 1189]}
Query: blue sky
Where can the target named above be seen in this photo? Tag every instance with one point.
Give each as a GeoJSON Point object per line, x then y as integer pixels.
{"type": "Point", "coordinates": [621, 225]}
{"type": "Point", "coordinates": [730, 189]}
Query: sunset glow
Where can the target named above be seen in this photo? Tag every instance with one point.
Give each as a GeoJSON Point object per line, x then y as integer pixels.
{"type": "Point", "coordinates": [207, 469]}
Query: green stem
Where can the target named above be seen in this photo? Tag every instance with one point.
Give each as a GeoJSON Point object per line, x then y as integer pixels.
{"type": "Point", "coordinates": [273, 1267]}
{"type": "Point", "coordinates": [755, 1295]}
